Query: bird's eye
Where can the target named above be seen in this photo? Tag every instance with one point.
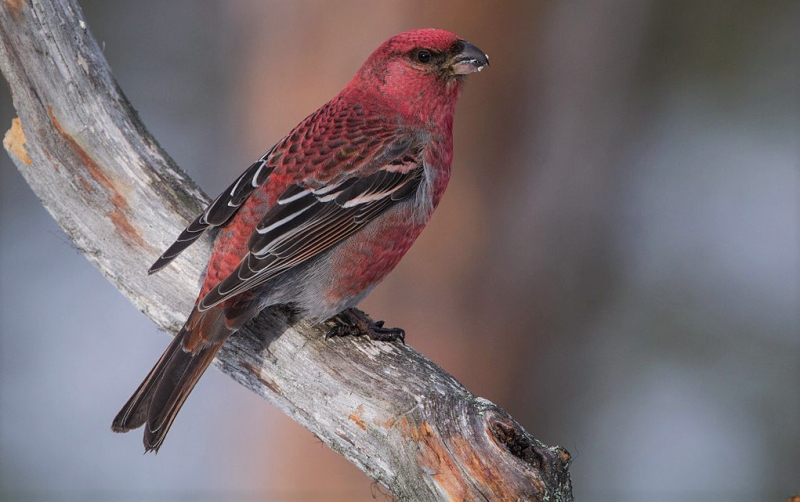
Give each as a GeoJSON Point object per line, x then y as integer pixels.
{"type": "Point", "coordinates": [424, 56]}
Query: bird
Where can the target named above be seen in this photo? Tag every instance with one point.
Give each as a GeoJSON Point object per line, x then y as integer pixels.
{"type": "Point", "coordinates": [321, 218]}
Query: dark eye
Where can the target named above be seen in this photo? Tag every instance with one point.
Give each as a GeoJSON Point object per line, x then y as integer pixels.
{"type": "Point", "coordinates": [424, 56]}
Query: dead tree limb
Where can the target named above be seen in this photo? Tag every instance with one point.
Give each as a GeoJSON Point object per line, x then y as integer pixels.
{"type": "Point", "coordinates": [393, 413]}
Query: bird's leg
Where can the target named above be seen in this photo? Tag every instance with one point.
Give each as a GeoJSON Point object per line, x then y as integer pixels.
{"type": "Point", "coordinates": [354, 322]}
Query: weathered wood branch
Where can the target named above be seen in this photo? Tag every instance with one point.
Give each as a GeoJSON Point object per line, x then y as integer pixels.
{"type": "Point", "coordinates": [393, 413]}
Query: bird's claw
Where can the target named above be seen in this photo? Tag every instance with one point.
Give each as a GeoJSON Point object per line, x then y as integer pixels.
{"type": "Point", "coordinates": [353, 322]}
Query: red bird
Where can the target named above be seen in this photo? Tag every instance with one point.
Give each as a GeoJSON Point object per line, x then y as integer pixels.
{"type": "Point", "coordinates": [323, 216]}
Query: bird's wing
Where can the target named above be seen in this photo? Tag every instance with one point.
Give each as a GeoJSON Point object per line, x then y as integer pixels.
{"type": "Point", "coordinates": [310, 218]}
{"type": "Point", "coordinates": [338, 138]}
{"type": "Point", "coordinates": [220, 211]}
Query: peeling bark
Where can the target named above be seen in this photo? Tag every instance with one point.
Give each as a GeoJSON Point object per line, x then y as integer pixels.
{"type": "Point", "coordinates": [119, 197]}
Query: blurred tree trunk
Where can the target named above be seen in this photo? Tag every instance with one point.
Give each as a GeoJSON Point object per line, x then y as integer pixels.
{"type": "Point", "coordinates": [553, 263]}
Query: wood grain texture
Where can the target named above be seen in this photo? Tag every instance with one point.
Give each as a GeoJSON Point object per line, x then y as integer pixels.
{"type": "Point", "coordinates": [393, 413]}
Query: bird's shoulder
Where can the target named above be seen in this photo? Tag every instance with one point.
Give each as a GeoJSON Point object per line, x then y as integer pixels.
{"type": "Point", "coordinates": [345, 138]}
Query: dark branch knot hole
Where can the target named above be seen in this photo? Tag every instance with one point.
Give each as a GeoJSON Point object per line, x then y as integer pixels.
{"type": "Point", "coordinates": [518, 444]}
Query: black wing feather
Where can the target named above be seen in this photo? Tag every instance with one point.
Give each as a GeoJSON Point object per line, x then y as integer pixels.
{"type": "Point", "coordinates": [219, 211]}
{"type": "Point", "coordinates": [321, 220]}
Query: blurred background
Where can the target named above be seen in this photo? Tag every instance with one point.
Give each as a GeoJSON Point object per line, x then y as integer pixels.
{"type": "Point", "coordinates": [615, 262]}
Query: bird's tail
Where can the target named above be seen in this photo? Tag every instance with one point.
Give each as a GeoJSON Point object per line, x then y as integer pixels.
{"type": "Point", "coordinates": [162, 393]}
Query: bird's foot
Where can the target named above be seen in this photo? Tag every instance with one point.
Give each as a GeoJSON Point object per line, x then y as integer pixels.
{"type": "Point", "coordinates": [354, 322]}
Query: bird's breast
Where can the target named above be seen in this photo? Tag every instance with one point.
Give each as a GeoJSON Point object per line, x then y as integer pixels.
{"type": "Point", "coordinates": [363, 260]}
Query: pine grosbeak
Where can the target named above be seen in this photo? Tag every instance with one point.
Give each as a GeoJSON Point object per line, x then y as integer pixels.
{"type": "Point", "coordinates": [323, 216]}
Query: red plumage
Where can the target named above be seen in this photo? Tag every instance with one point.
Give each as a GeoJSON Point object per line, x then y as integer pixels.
{"type": "Point", "coordinates": [323, 216]}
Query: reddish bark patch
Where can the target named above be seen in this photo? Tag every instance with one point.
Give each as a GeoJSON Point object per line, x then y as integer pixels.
{"type": "Point", "coordinates": [86, 185]}
{"type": "Point", "coordinates": [14, 142]}
{"type": "Point", "coordinates": [457, 465]}
{"type": "Point", "coordinates": [92, 168]}
{"type": "Point", "coordinates": [356, 417]}
{"type": "Point", "coordinates": [387, 424]}
{"type": "Point", "coordinates": [123, 224]}
{"type": "Point", "coordinates": [95, 172]}
{"type": "Point", "coordinates": [435, 458]}
{"type": "Point", "coordinates": [16, 7]}
{"type": "Point", "coordinates": [256, 372]}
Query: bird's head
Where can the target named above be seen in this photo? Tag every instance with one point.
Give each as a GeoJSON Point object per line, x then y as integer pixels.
{"type": "Point", "coordinates": [420, 72]}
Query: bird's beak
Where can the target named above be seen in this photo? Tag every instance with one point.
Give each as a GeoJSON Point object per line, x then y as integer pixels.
{"type": "Point", "coordinates": [469, 59]}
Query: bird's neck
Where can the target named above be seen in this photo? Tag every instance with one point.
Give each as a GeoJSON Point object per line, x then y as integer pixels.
{"type": "Point", "coordinates": [420, 102]}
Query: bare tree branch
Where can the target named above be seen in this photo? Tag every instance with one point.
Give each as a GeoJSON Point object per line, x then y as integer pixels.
{"type": "Point", "coordinates": [397, 416]}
